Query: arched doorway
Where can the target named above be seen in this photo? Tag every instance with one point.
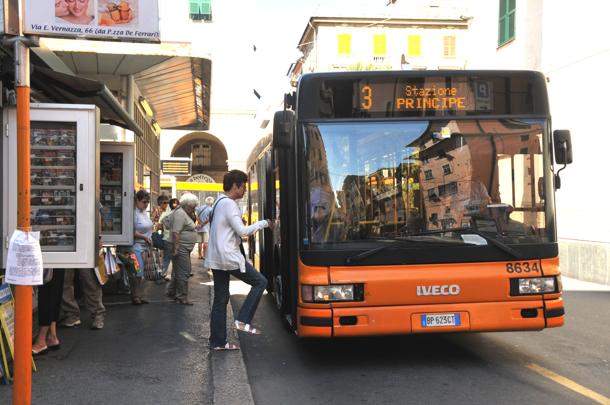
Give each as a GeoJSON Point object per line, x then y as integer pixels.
{"type": "Point", "coordinates": [207, 153]}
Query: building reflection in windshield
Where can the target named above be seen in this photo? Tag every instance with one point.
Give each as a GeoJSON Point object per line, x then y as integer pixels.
{"type": "Point", "coordinates": [384, 180]}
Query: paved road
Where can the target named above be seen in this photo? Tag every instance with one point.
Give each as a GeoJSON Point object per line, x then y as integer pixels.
{"type": "Point", "coordinates": [148, 354]}
{"type": "Point", "coordinates": [499, 368]}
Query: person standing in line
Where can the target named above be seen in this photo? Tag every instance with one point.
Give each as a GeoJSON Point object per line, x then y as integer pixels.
{"type": "Point", "coordinates": [225, 258]}
{"type": "Point", "coordinates": [162, 204]}
{"type": "Point", "coordinates": [143, 227]}
{"type": "Point", "coordinates": [160, 209]}
{"type": "Point", "coordinates": [167, 237]}
{"type": "Point", "coordinates": [203, 226]}
{"type": "Point", "coordinates": [184, 237]}
{"type": "Point", "coordinates": [92, 291]}
{"type": "Point", "coordinates": [49, 302]}
{"type": "Point", "coordinates": [174, 203]}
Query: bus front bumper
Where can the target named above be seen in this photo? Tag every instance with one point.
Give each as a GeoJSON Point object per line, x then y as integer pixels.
{"type": "Point", "coordinates": [465, 317]}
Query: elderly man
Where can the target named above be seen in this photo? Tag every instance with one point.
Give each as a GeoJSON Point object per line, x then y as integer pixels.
{"type": "Point", "coordinates": [183, 239]}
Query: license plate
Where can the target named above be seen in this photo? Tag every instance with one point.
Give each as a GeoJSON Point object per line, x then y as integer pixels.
{"type": "Point", "coordinates": [439, 320]}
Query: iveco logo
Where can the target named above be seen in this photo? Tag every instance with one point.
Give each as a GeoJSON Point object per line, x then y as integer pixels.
{"type": "Point", "coordinates": [452, 289]}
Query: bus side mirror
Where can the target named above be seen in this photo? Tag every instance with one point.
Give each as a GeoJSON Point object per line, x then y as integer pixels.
{"type": "Point", "coordinates": [283, 129]}
{"type": "Point", "coordinates": [563, 146]}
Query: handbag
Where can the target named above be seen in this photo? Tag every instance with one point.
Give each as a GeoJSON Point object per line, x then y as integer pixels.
{"type": "Point", "coordinates": [158, 241]}
{"type": "Point", "coordinates": [129, 260]}
{"type": "Point", "coordinates": [100, 270]}
{"type": "Point", "coordinates": [153, 270]}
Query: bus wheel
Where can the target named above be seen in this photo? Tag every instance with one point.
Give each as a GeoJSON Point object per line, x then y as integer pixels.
{"type": "Point", "coordinates": [278, 294]}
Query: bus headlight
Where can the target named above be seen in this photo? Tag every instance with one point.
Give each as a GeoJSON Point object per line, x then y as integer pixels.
{"type": "Point", "coordinates": [533, 285]}
{"type": "Point", "coordinates": [332, 293]}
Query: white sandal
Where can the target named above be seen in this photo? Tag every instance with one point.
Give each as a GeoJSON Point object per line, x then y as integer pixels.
{"type": "Point", "coordinates": [246, 327]}
{"type": "Point", "coordinates": [227, 346]}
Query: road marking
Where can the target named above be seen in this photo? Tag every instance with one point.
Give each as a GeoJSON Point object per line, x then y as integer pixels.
{"type": "Point", "coordinates": [188, 336]}
{"type": "Point", "coordinates": [566, 382]}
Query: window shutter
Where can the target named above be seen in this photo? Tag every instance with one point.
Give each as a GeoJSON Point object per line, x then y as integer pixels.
{"type": "Point", "coordinates": [379, 45]}
{"type": "Point", "coordinates": [194, 6]}
{"type": "Point", "coordinates": [200, 10]}
{"type": "Point", "coordinates": [414, 45]}
{"type": "Point", "coordinates": [206, 6]}
{"type": "Point", "coordinates": [506, 21]}
{"type": "Point", "coordinates": [344, 44]}
{"type": "Point", "coordinates": [449, 46]}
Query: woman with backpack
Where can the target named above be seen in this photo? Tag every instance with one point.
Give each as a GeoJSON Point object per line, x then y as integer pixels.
{"type": "Point", "coordinates": [225, 257]}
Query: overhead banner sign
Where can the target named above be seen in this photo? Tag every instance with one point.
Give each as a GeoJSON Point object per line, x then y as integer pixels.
{"type": "Point", "coordinates": [131, 20]}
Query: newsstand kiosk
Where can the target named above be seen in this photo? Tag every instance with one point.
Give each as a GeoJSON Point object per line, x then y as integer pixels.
{"type": "Point", "coordinates": [70, 168]}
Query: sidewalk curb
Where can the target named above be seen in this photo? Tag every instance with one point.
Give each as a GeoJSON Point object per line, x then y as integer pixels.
{"type": "Point", "coordinates": [229, 376]}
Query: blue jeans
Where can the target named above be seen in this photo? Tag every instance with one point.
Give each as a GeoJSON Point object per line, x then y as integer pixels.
{"type": "Point", "coordinates": [218, 317]}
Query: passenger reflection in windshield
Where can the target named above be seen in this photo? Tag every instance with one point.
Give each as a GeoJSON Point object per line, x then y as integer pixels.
{"type": "Point", "coordinates": [322, 210]}
{"type": "Point", "coordinates": [482, 207]}
{"type": "Point", "coordinates": [479, 200]}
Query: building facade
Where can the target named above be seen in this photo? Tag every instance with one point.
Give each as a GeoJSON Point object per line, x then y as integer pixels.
{"type": "Point", "coordinates": [233, 103]}
{"type": "Point", "coordinates": [417, 39]}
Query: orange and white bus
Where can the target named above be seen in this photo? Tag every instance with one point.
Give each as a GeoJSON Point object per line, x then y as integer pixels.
{"type": "Point", "coordinates": [411, 202]}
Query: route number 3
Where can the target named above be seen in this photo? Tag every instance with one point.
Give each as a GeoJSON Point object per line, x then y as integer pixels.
{"type": "Point", "coordinates": [522, 267]}
{"type": "Point", "coordinates": [368, 97]}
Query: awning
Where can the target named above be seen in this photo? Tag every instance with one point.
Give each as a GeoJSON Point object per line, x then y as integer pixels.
{"type": "Point", "coordinates": [175, 82]}
{"type": "Point", "coordinates": [63, 88]}
{"type": "Point", "coordinates": [179, 91]}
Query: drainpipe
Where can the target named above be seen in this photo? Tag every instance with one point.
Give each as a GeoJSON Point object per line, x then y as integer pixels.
{"type": "Point", "coordinates": [315, 42]}
{"type": "Point", "coordinates": [130, 95]}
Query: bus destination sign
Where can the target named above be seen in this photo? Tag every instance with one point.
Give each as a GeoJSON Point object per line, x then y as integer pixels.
{"type": "Point", "coordinates": [378, 95]}
{"type": "Point", "coordinates": [422, 96]}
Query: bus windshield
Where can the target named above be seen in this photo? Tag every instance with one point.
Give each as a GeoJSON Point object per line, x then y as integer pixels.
{"type": "Point", "coordinates": [379, 180]}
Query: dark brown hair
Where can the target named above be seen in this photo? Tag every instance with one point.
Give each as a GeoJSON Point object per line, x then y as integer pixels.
{"type": "Point", "coordinates": [142, 195]}
{"type": "Point", "coordinates": [162, 198]}
{"type": "Point", "coordinates": [236, 177]}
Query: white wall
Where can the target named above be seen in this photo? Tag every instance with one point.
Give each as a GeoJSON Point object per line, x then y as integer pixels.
{"type": "Point", "coordinates": [524, 52]}
{"type": "Point", "coordinates": [226, 38]}
{"type": "Point", "coordinates": [576, 59]}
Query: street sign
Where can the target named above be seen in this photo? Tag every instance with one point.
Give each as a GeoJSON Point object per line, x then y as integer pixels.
{"type": "Point", "coordinates": [176, 167]}
{"type": "Point", "coordinates": [131, 20]}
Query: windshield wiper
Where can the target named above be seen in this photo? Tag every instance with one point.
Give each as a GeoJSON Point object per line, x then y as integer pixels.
{"type": "Point", "coordinates": [491, 240]}
{"type": "Point", "coordinates": [392, 242]}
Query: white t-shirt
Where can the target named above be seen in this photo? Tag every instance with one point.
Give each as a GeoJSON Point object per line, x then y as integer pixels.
{"type": "Point", "coordinates": [142, 224]}
{"type": "Point", "coordinates": [225, 236]}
